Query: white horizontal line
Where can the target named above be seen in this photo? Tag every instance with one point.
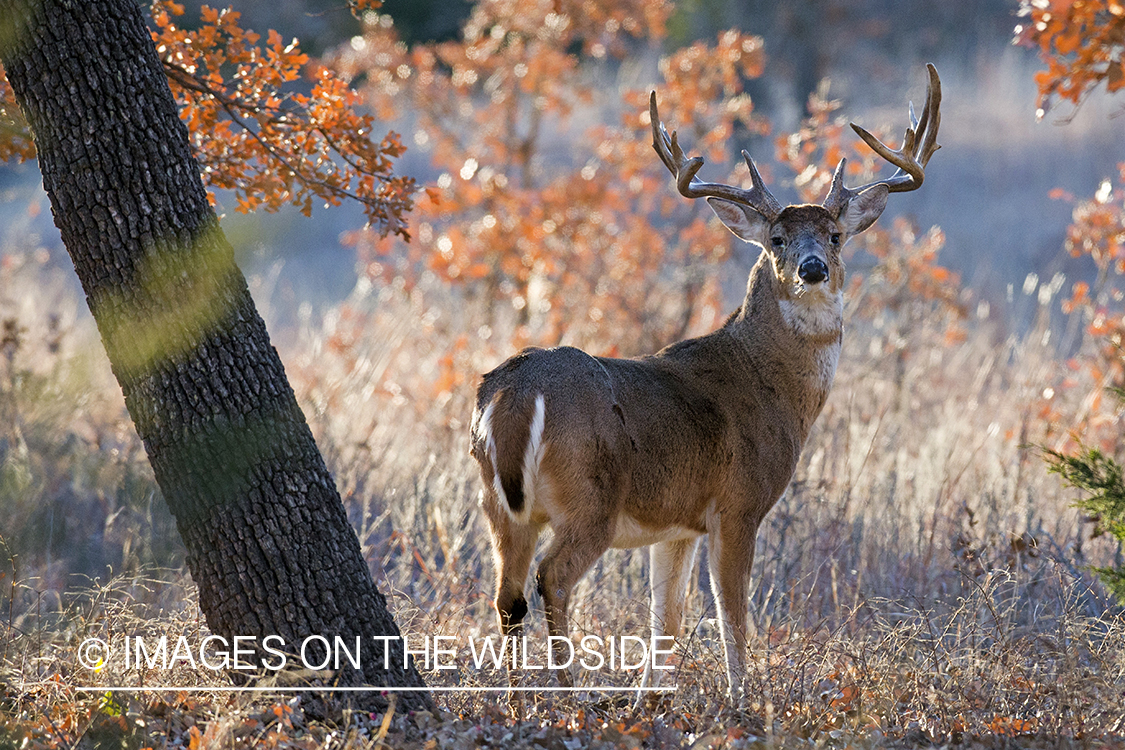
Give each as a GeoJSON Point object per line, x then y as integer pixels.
{"type": "Point", "coordinates": [439, 689]}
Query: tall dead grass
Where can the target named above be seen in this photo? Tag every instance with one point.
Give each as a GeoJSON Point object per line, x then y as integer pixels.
{"type": "Point", "coordinates": [923, 580]}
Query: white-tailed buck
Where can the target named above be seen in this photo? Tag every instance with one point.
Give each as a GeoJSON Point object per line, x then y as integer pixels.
{"type": "Point", "coordinates": [698, 439]}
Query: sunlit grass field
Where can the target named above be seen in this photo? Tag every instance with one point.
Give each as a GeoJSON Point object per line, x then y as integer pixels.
{"type": "Point", "coordinates": [924, 579]}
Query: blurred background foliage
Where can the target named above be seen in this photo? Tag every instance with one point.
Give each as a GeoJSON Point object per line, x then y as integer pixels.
{"type": "Point", "coordinates": [545, 217]}
{"type": "Point", "coordinates": [985, 316]}
{"type": "Point", "coordinates": [541, 186]}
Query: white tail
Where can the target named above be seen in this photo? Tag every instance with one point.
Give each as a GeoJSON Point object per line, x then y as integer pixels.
{"type": "Point", "coordinates": [700, 438]}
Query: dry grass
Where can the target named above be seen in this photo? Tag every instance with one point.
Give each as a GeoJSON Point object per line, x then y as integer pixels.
{"type": "Point", "coordinates": [922, 581]}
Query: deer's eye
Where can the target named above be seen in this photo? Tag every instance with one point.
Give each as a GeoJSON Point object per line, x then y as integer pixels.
{"type": "Point", "coordinates": [835, 239]}
{"type": "Point", "coordinates": [778, 241]}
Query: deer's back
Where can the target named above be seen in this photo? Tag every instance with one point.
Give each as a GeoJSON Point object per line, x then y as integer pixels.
{"type": "Point", "coordinates": [677, 433]}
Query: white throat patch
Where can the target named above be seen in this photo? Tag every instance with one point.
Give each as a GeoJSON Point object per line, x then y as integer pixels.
{"type": "Point", "coordinates": [818, 314]}
{"type": "Point", "coordinates": [814, 313]}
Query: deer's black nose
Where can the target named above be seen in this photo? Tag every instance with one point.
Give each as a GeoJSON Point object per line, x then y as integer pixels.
{"type": "Point", "coordinates": [813, 271]}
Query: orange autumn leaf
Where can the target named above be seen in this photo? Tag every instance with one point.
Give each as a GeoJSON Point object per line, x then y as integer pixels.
{"type": "Point", "coordinates": [1079, 41]}
{"type": "Point", "coordinates": [489, 106]}
{"type": "Point", "coordinates": [252, 135]}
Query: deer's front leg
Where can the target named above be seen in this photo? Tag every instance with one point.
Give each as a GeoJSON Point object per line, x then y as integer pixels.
{"type": "Point", "coordinates": [670, 567]}
{"type": "Point", "coordinates": [730, 555]}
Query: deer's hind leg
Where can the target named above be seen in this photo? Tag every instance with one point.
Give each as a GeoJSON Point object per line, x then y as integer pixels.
{"type": "Point", "coordinates": [587, 507]}
{"type": "Point", "coordinates": [572, 552]}
{"type": "Point", "coordinates": [513, 546]}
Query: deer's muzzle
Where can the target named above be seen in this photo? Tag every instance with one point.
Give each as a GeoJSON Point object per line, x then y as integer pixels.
{"type": "Point", "coordinates": [813, 270]}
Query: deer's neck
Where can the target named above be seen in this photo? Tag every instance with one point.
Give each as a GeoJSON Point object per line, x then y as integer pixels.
{"type": "Point", "coordinates": [794, 340]}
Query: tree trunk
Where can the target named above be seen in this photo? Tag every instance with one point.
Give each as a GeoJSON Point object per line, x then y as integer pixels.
{"type": "Point", "coordinates": [269, 544]}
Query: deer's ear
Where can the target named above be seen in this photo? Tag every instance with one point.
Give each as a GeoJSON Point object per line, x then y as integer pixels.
{"type": "Point", "coordinates": [863, 209]}
{"type": "Point", "coordinates": [744, 221]}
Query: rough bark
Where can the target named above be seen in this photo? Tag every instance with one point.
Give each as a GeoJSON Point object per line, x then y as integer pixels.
{"type": "Point", "coordinates": [269, 544]}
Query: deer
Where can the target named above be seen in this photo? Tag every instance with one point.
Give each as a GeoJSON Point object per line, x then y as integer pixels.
{"type": "Point", "coordinates": [701, 438]}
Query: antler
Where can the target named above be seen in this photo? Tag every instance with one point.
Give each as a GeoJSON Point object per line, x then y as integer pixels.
{"type": "Point", "coordinates": [918, 145]}
{"type": "Point", "coordinates": [684, 170]}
